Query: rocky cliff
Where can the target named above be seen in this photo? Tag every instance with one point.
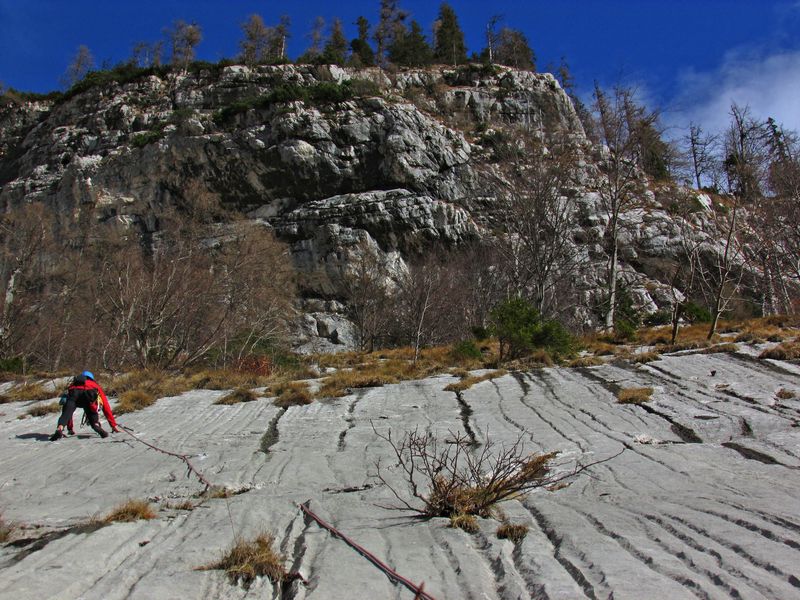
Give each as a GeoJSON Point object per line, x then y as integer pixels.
{"type": "Point", "coordinates": [331, 158]}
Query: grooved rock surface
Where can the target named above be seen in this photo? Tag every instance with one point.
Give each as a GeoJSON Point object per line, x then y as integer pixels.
{"type": "Point", "coordinates": [702, 503]}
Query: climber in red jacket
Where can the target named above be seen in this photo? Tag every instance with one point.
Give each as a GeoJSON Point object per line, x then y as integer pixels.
{"type": "Point", "coordinates": [85, 393]}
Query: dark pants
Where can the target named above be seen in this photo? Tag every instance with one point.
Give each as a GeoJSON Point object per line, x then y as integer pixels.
{"type": "Point", "coordinates": [89, 409]}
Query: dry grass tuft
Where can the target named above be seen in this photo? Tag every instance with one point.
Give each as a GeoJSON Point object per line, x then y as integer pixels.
{"type": "Point", "coordinates": [636, 395]}
{"type": "Point", "coordinates": [515, 533]}
{"type": "Point", "coordinates": [466, 523]}
{"type": "Point", "coordinates": [784, 394]}
{"type": "Point", "coordinates": [783, 351]}
{"type": "Point", "coordinates": [6, 529]}
{"type": "Point", "coordinates": [639, 358]}
{"type": "Point", "coordinates": [721, 348]}
{"type": "Point", "coordinates": [681, 346]}
{"type": "Point", "coordinates": [247, 560]}
{"type": "Point", "coordinates": [130, 511]}
{"type": "Point", "coordinates": [586, 361]}
{"type": "Point", "coordinates": [470, 380]}
{"type": "Point", "coordinates": [225, 379]}
{"type": "Point", "coordinates": [28, 392]}
{"type": "Point", "coordinates": [237, 396]}
{"type": "Point", "coordinates": [134, 400]}
{"type": "Point", "coordinates": [291, 393]}
{"type": "Point", "coordinates": [41, 410]}
{"type": "Point", "coordinates": [219, 491]}
{"type": "Point", "coordinates": [187, 505]}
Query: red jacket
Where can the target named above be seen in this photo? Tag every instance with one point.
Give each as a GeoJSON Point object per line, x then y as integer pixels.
{"type": "Point", "coordinates": [93, 385]}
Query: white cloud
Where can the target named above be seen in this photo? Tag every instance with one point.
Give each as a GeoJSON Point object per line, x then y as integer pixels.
{"type": "Point", "coordinates": [768, 83]}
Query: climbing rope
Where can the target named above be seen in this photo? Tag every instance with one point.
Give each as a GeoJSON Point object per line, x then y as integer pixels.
{"type": "Point", "coordinates": [393, 575]}
{"type": "Point", "coordinates": [184, 457]}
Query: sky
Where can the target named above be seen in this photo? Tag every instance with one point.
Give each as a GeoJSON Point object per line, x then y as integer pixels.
{"type": "Point", "coordinates": [688, 58]}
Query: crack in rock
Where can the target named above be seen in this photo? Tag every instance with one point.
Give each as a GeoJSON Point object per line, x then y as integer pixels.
{"type": "Point", "coordinates": [271, 435]}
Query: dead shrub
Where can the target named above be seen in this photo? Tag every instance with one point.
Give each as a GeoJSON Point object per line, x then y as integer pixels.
{"type": "Point", "coordinates": [636, 395]}
{"type": "Point", "coordinates": [515, 533]}
{"type": "Point", "coordinates": [130, 511]}
{"type": "Point", "coordinates": [260, 366]}
{"type": "Point", "coordinates": [134, 400]}
{"type": "Point", "coordinates": [236, 396]}
{"type": "Point", "coordinates": [295, 393]}
{"type": "Point", "coordinates": [466, 523]}
{"type": "Point", "coordinates": [41, 410]}
{"type": "Point", "coordinates": [448, 479]}
{"type": "Point", "coordinates": [470, 380]}
{"type": "Point", "coordinates": [784, 394]}
{"type": "Point", "coordinates": [248, 559]}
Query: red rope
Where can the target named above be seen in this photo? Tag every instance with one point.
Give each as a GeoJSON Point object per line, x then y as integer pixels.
{"type": "Point", "coordinates": [183, 457]}
{"type": "Point", "coordinates": [391, 573]}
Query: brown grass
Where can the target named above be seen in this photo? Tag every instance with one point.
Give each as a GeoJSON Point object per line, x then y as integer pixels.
{"type": "Point", "coordinates": [6, 529]}
{"type": "Point", "coordinates": [783, 351]}
{"type": "Point", "coordinates": [466, 523]}
{"type": "Point", "coordinates": [721, 348]}
{"type": "Point", "coordinates": [41, 410]}
{"type": "Point", "coordinates": [237, 396]}
{"type": "Point", "coordinates": [470, 380]}
{"type": "Point", "coordinates": [132, 510]}
{"type": "Point", "coordinates": [586, 361]}
{"type": "Point", "coordinates": [134, 400]}
{"type": "Point", "coordinates": [248, 559]}
{"type": "Point", "coordinates": [637, 395]}
{"type": "Point", "coordinates": [784, 394]}
{"type": "Point", "coordinates": [681, 346]}
{"type": "Point", "coordinates": [219, 491]}
{"type": "Point", "coordinates": [28, 392]}
{"type": "Point", "coordinates": [515, 533]}
{"type": "Point", "coordinates": [639, 358]}
{"type": "Point", "coordinates": [291, 393]}
{"type": "Point", "coordinates": [187, 505]}
{"type": "Point", "coordinates": [381, 372]}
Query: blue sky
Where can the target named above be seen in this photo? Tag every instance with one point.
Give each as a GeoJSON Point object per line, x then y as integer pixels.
{"type": "Point", "coordinates": [691, 58]}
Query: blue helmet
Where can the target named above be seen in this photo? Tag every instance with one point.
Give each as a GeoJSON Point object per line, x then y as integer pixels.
{"type": "Point", "coordinates": [88, 375]}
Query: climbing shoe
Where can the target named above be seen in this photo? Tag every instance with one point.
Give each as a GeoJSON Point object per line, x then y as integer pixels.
{"type": "Point", "coordinates": [56, 436]}
{"type": "Point", "coordinates": [71, 431]}
{"type": "Point", "coordinates": [100, 431]}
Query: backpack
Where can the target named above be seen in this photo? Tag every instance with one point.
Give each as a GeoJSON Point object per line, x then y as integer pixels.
{"type": "Point", "coordinates": [82, 395]}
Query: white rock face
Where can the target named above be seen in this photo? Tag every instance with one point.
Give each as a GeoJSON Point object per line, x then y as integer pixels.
{"type": "Point", "coordinates": [702, 502]}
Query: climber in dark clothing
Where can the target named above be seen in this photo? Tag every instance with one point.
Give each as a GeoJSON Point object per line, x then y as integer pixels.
{"type": "Point", "coordinates": [83, 393]}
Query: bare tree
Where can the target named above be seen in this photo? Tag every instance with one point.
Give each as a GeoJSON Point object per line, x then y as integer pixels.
{"type": "Point", "coordinates": [26, 235]}
{"type": "Point", "coordinates": [146, 54]}
{"type": "Point", "coordinates": [191, 291]}
{"type": "Point", "coordinates": [365, 284]}
{"type": "Point", "coordinates": [539, 218]}
{"type": "Point", "coordinates": [184, 38]}
{"type": "Point", "coordinates": [701, 148]}
{"type": "Point", "coordinates": [255, 45]}
{"type": "Point", "coordinates": [620, 185]}
{"type": "Point", "coordinates": [79, 67]}
{"type": "Point", "coordinates": [492, 36]}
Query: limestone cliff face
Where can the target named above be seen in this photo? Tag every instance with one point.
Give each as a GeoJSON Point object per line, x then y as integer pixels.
{"type": "Point", "coordinates": [329, 157]}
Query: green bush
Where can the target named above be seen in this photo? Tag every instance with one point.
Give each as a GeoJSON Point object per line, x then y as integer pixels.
{"type": "Point", "coordinates": [660, 317]}
{"type": "Point", "coordinates": [140, 140]}
{"type": "Point", "coordinates": [466, 350]}
{"type": "Point", "coordinates": [695, 313]}
{"type": "Point", "coordinates": [520, 329]}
